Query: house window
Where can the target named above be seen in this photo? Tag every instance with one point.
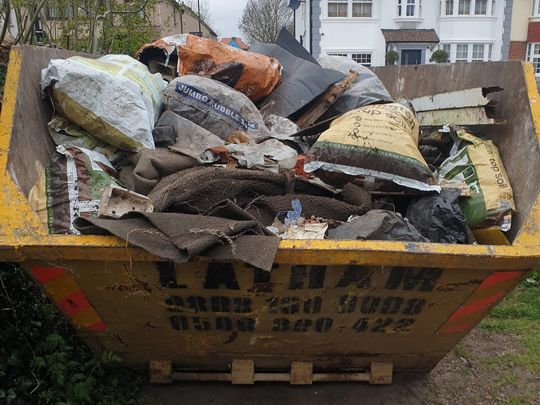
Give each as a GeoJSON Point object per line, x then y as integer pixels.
{"type": "Point", "coordinates": [478, 52]}
{"type": "Point", "coordinates": [462, 53]}
{"type": "Point", "coordinates": [536, 8]}
{"type": "Point", "coordinates": [464, 7]}
{"type": "Point", "coordinates": [408, 8]}
{"type": "Point", "coordinates": [490, 51]}
{"type": "Point", "coordinates": [493, 3]}
{"type": "Point", "coordinates": [362, 58]}
{"type": "Point", "coordinates": [449, 7]}
{"type": "Point", "coordinates": [533, 56]}
{"type": "Point", "coordinates": [338, 8]}
{"type": "Point", "coordinates": [480, 7]}
{"type": "Point", "coordinates": [362, 8]}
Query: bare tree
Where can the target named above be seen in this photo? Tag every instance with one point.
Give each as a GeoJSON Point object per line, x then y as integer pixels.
{"type": "Point", "coordinates": [263, 19]}
{"type": "Point", "coordinates": [204, 9]}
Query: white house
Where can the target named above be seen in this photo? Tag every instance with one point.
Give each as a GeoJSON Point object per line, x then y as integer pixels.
{"type": "Point", "coordinates": [365, 30]}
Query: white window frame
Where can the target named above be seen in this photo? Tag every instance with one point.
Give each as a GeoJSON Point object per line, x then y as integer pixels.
{"type": "Point", "coordinates": [535, 12]}
{"type": "Point", "coordinates": [350, 9]}
{"type": "Point", "coordinates": [349, 54]}
{"type": "Point", "coordinates": [533, 56]}
{"type": "Point", "coordinates": [486, 53]}
{"type": "Point", "coordinates": [444, 8]}
{"type": "Point", "coordinates": [490, 9]}
{"type": "Point", "coordinates": [403, 8]}
{"type": "Point", "coordinates": [362, 2]}
{"type": "Point", "coordinates": [346, 2]}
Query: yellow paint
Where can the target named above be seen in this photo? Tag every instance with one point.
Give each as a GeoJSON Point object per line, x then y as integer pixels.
{"type": "Point", "coordinates": [529, 233]}
{"type": "Point", "coordinates": [86, 317]}
{"type": "Point", "coordinates": [62, 287]}
{"type": "Point", "coordinates": [491, 236]}
{"type": "Point", "coordinates": [17, 218]}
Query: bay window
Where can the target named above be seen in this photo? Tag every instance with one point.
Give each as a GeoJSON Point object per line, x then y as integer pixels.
{"type": "Point", "coordinates": [468, 52]}
{"type": "Point", "coordinates": [536, 8]}
{"type": "Point", "coordinates": [462, 53]}
{"type": "Point", "coordinates": [449, 7]}
{"type": "Point", "coordinates": [480, 7]}
{"type": "Point", "coordinates": [464, 7]}
{"type": "Point", "coordinates": [533, 56]}
{"type": "Point", "coordinates": [478, 52]}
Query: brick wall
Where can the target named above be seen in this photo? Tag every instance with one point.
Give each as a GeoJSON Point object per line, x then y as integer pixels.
{"type": "Point", "coordinates": [518, 50]}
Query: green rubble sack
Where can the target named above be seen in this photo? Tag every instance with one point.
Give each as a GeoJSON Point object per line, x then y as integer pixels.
{"type": "Point", "coordinates": [479, 165]}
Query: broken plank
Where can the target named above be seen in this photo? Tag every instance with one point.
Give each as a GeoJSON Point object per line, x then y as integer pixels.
{"type": "Point", "coordinates": [323, 103]}
{"type": "Point", "coordinates": [454, 99]}
{"type": "Point", "coordinates": [458, 116]}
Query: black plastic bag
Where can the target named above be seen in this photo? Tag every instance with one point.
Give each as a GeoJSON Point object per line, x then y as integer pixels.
{"type": "Point", "coordinates": [439, 217]}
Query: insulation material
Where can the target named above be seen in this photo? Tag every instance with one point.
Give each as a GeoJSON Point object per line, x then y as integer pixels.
{"type": "Point", "coordinates": [115, 98]}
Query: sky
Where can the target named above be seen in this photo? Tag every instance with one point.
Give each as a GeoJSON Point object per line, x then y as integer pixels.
{"type": "Point", "coordinates": [225, 15]}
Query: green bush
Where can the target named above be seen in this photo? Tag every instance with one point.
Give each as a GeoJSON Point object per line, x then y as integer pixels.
{"type": "Point", "coordinates": [391, 57]}
{"type": "Point", "coordinates": [42, 361]}
{"type": "Point", "coordinates": [439, 56]}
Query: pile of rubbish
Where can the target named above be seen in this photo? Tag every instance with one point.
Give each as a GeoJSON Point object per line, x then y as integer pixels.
{"type": "Point", "coordinates": [237, 150]}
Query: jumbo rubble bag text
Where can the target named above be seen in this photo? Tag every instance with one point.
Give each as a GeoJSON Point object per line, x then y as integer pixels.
{"type": "Point", "coordinates": [214, 106]}
{"type": "Point", "coordinates": [115, 98]}
{"type": "Point", "coordinates": [479, 165]}
{"type": "Point", "coordinates": [379, 141]}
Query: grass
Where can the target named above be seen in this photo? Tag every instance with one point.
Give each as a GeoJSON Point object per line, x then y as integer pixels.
{"type": "Point", "coordinates": [519, 313]}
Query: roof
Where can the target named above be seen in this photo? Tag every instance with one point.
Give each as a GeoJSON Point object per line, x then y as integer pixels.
{"type": "Point", "coordinates": [402, 36]}
{"type": "Point", "coordinates": [236, 42]}
{"type": "Point", "coordinates": [188, 10]}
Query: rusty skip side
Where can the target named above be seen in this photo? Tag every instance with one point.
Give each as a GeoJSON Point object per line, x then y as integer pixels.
{"type": "Point", "coordinates": [202, 316]}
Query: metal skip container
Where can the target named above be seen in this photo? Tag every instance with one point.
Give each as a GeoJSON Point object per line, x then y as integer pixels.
{"type": "Point", "coordinates": [328, 310]}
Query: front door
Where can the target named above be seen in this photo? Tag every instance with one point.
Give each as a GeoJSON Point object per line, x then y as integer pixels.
{"type": "Point", "coordinates": [411, 56]}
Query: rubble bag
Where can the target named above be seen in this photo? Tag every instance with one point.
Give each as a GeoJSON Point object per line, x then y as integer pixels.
{"type": "Point", "coordinates": [115, 98]}
{"type": "Point", "coordinates": [71, 186]}
{"type": "Point", "coordinates": [379, 141]}
{"type": "Point", "coordinates": [214, 106]}
{"type": "Point", "coordinates": [251, 73]}
{"type": "Point", "coordinates": [479, 165]}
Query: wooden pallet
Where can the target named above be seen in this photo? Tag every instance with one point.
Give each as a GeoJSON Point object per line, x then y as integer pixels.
{"type": "Point", "coordinates": [243, 372]}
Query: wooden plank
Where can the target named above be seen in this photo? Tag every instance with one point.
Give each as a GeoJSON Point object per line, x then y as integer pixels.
{"type": "Point", "coordinates": [322, 104]}
{"type": "Point", "coordinates": [242, 372]}
{"type": "Point", "coordinates": [160, 372]}
{"type": "Point", "coordinates": [381, 373]}
{"type": "Point", "coordinates": [301, 372]}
